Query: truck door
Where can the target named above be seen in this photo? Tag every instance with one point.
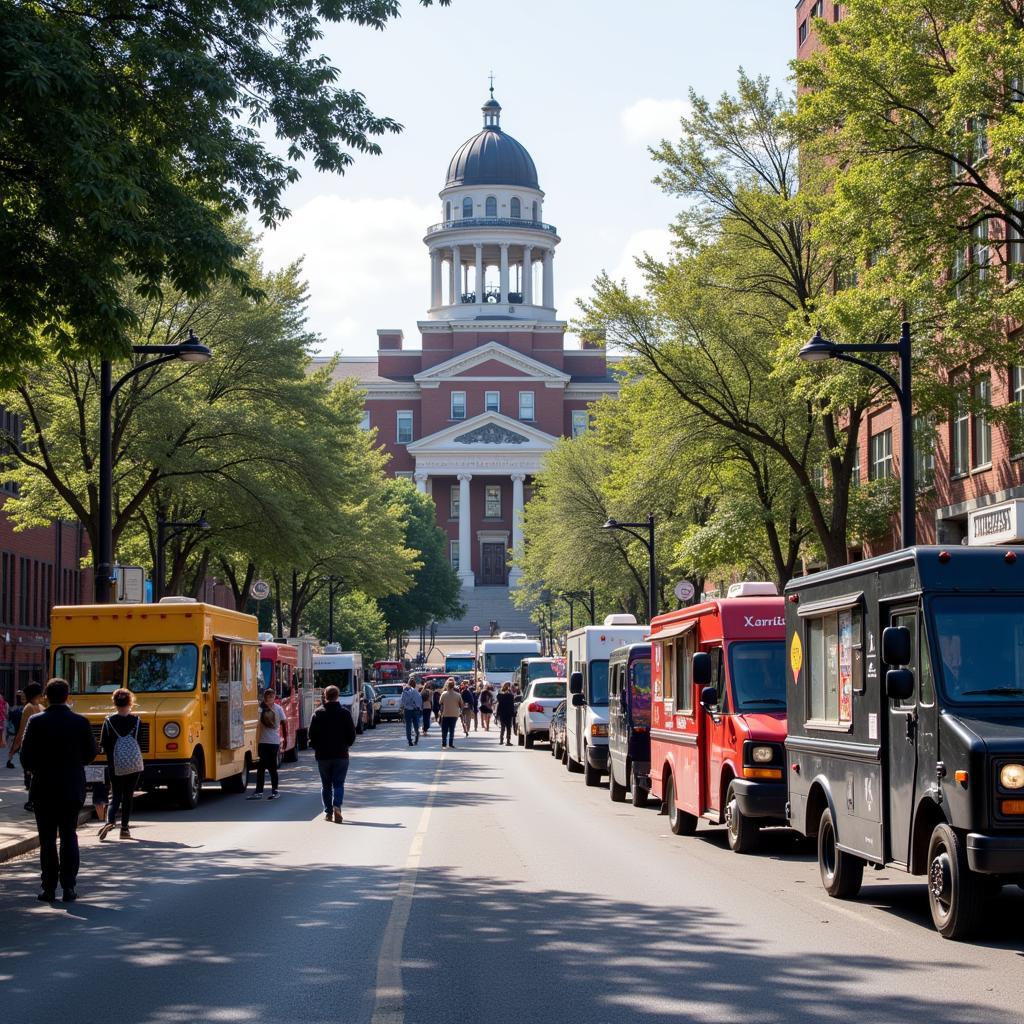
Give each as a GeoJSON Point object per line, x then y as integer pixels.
{"type": "Point", "coordinates": [714, 736]}
{"type": "Point", "coordinates": [902, 744]}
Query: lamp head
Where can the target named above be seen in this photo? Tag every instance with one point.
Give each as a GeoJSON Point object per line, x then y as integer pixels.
{"type": "Point", "coordinates": [817, 350]}
{"type": "Point", "coordinates": [611, 524]}
{"type": "Point", "coordinates": [202, 524]}
{"type": "Point", "coordinates": [192, 350]}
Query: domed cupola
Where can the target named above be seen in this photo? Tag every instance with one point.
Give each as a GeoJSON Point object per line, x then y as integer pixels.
{"type": "Point", "coordinates": [492, 157]}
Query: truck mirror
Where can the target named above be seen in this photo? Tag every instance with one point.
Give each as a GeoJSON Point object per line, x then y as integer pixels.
{"type": "Point", "coordinates": [896, 646]}
{"type": "Point", "coordinates": [576, 684]}
{"type": "Point", "coordinates": [702, 669]}
{"type": "Point", "coordinates": [708, 698]}
{"type": "Point", "coordinates": [577, 700]}
{"type": "Point", "coordinates": [899, 684]}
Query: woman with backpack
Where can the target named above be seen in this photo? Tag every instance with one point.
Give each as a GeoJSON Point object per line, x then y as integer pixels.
{"type": "Point", "coordinates": [119, 739]}
{"type": "Point", "coordinates": [486, 706]}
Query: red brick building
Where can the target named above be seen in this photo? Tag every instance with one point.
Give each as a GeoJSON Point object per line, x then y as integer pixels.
{"type": "Point", "coordinates": [469, 412]}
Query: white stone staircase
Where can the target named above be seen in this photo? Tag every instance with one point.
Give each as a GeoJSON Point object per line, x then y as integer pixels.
{"type": "Point", "coordinates": [483, 606]}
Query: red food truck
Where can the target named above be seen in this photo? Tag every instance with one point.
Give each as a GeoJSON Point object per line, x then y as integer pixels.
{"type": "Point", "coordinates": [718, 714]}
{"type": "Point", "coordinates": [279, 667]}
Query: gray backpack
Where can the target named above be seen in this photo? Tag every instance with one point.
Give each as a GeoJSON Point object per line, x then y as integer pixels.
{"type": "Point", "coordinates": [126, 757]}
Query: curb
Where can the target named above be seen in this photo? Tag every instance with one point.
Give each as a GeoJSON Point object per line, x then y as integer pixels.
{"type": "Point", "coordinates": [31, 842]}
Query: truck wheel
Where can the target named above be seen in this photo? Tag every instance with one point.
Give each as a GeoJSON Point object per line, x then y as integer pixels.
{"type": "Point", "coordinates": [301, 739]}
{"type": "Point", "coordinates": [291, 755]}
{"type": "Point", "coordinates": [237, 783]}
{"type": "Point", "coordinates": [681, 823]}
{"type": "Point", "coordinates": [519, 738]}
{"type": "Point", "coordinates": [615, 791]}
{"type": "Point", "coordinates": [528, 740]}
{"type": "Point", "coordinates": [574, 767]}
{"type": "Point", "coordinates": [841, 873]}
{"type": "Point", "coordinates": [591, 776]}
{"type": "Point", "coordinates": [956, 895]}
{"type": "Point", "coordinates": [359, 726]}
{"type": "Point", "coordinates": [191, 787]}
{"type": "Point", "coordinates": [743, 832]}
{"type": "Point", "coordinates": [640, 795]}
{"type": "Point", "coordinates": [565, 754]}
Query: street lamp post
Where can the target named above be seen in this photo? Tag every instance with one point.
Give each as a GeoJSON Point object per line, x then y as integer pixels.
{"type": "Point", "coordinates": [648, 542]}
{"type": "Point", "coordinates": [818, 349]}
{"type": "Point", "coordinates": [476, 654]}
{"type": "Point", "coordinates": [190, 351]}
{"type": "Point", "coordinates": [162, 526]}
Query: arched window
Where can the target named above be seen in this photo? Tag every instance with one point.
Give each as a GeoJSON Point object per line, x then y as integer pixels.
{"type": "Point", "coordinates": [491, 207]}
{"type": "Point", "coordinates": [514, 209]}
{"type": "Point", "coordinates": [535, 209]}
{"type": "Point", "coordinates": [467, 207]}
{"type": "Point", "coordinates": [448, 211]}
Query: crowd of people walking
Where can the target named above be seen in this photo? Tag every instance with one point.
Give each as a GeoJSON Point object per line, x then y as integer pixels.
{"type": "Point", "coordinates": [448, 705]}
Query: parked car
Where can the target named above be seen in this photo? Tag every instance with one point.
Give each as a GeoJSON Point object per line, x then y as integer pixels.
{"type": "Point", "coordinates": [556, 732]}
{"type": "Point", "coordinates": [533, 716]}
{"type": "Point", "coordinates": [390, 700]}
{"type": "Point", "coordinates": [373, 701]}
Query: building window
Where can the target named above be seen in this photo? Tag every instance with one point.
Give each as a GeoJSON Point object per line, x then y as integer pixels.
{"type": "Point", "coordinates": [855, 468]}
{"type": "Point", "coordinates": [526, 408]}
{"type": "Point", "coordinates": [448, 211]}
{"type": "Point", "coordinates": [1017, 387]}
{"type": "Point", "coordinates": [467, 208]}
{"type": "Point", "coordinates": [364, 420]}
{"type": "Point", "coordinates": [979, 250]}
{"type": "Point", "coordinates": [837, 12]}
{"type": "Point", "coordinates": [924, 451]}
{"type": "Point", "coordinates": [534, 209]}
{"type": "Point", "coordinates": [514, 208]}
{"type": "Point", "coordinates": [817, 8]}
{"type": "Point", "coordinates": [979, 138]}
{"type": "Point", "coordinates": [880, 466]}
{"type": "Point", "coordinates": [403, 420]}
{"type": "Point", "coordinates": [834, 666]}
{"type": "Point", "coordinates": [818, 478]}
{"type": "Point", "coordinates": [458, 405]}
{"type": "Point", "coordinates": [958, 437]}
{"type": "Point", "coordinates": [580, 422]}
{"type": "Point", "coordinates": [492, 401]}
{"type": "Point", "coordinates": [453, 501]}
{"type": "Point", "coordinates": [404, 474]}
{"type": "Point", "coordinates": [492, 501]}
{"type": "Point", "coordinates": [981, 429]}
{"type": "Point", "coordinates": [1015, 242]}
{"type": "Point", "coordinates": [453, 554]}
{"type": "Point", "coordinates": [491, 207]}
{"type": "Point", "coordinates": [958, 273]}
{"type": "Point", "coordinates": [803, 31]}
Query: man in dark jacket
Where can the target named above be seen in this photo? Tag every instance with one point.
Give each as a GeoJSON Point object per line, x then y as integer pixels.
{"type": "Point", "coordinates": [331, 733]}
{"type": "Point", "coordinates": [57, 746]}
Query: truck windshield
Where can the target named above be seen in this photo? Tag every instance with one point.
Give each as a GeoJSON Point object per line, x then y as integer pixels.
{"type": "Point", "coordinates": [502, 661]}
{"type": "Point", "coordinates": [458, 664]}
{"type": "Point", "coordinates": [981, 648]}
{"type": "Point", "coordinates": [339, 677]}
{"type": "Point", "coordinates": [267, 671]}
{"type": "Point", "coordinates": [597, 683]}
{"type": "Point", "coordinates": [159, 668]}
{"type": "Point", "coordinates": [757, 669]}
{"type": "Point", "coordinates": [91, 669]}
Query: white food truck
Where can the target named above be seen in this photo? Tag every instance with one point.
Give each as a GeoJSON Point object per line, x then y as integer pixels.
{"type": "Point", "coordinates": [343, 669]}
{"type": "Point", "coordinates": [499, 657]}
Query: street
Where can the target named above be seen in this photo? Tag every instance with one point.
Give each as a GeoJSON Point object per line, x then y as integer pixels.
{"type": "Point", "coordinates": [483, 883]}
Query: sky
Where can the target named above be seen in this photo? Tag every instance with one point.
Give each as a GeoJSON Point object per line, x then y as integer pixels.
{"type": "Point", "coordinates": [585, 85]}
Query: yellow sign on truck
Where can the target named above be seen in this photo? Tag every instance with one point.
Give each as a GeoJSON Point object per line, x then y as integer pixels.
{"type": "Point", "coordinates": [193, 670]}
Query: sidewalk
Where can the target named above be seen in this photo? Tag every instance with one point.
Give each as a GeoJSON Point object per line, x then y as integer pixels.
{"type": "Point", "coordinates": [18, 826]}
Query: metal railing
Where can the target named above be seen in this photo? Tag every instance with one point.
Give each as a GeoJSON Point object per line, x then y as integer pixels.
{"type": "Point", "coordinates": [493, 222]}
{"type": "Point", "coordinates": [490, 296]}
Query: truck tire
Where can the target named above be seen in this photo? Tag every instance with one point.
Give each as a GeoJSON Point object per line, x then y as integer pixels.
{"type": "Point", "coordinates": [291, 755]}
{"type": "Point", "coordinates": [841, 873]}
{"type": "Point", "coordinates": [681, 823]}
{"type": "Point", "coordinates": [574, 767]}
{"type": "Point", "coordinates": [744, 833]}
{"type": "Point", "coordinates": [641, 796]}
{"type": "Point", "coordinates": [528, 740]}
{"type": "Point", "coordinates": [237, 783]}
{"type": "Point", "coordinates": [615, 791]}
{"type": "Point", "coordinates": [189, 790]}
{"type": "Point", "coordinates": [520, 739]}
{"type": "Point", "coordinates": [956, 895]}
{"type": "Point", "coordinates": [591, 776]}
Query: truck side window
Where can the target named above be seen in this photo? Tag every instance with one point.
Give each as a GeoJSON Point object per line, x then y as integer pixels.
{"type": "Point", "coordinates": [207, 669]}
{"type": "Point", "coordinates": [668, 670]}
{"type": "Point", "coordinates": [718, 680]}
{"type": "Point", "coordinates": [682, 657]}
{"type": "Point", "coordinates": [926, 684]}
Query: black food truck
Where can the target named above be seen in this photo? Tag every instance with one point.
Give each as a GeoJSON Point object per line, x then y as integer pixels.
{"type": "Point", "coordinates": [905, 698]}
{"type": "Point", "coordinates": [629, 723]}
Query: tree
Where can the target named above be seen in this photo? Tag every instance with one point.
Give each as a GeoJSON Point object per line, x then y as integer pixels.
{"type": "Point", "coordinates": [131, 133]}
{"type": "Point", "coordinates": [358, 624]}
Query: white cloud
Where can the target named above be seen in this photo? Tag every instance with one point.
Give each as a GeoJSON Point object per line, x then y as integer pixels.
{"type": "Point", "coordinates": [656, 242]}
{"type": "Point", "coordinates": [365, 262]}
{"type": "Point", "coordinates": [649, 120]}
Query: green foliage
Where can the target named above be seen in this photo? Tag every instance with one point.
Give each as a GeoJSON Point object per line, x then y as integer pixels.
{"type": "Point", "coordinates": [358, 624]}
{"type": "Point", "coordinates": [131, 133]}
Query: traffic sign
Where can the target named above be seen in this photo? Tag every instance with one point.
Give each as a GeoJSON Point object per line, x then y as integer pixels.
{"type": "Point", "coordinates": [476, 629]}
{"type": "Point", "coordinates": [684, 591]}
{"type": "Point", "coordinates": [259, 590]}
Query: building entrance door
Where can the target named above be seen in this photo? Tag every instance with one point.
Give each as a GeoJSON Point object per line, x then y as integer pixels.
{"type": "Point", "coordinates": [492, 565]}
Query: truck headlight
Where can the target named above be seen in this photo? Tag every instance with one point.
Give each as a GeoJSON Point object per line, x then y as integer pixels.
{"type": "Point", "coordinates": [172, 730]}
{"type": "Point", "coordinates": [1011, 776]}
{"type": "Point", "coordinates": [761, 755]}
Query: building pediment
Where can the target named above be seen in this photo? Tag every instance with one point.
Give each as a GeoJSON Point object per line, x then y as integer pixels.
{"type": "Point", "coordinates": [490, 432]}
{"type": "Point", "coordinates": [487, 361]}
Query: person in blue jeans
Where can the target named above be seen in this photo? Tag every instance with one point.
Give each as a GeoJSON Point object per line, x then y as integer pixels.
{"type": "Point", "coordinates": [412, 709]}
{"type": "Point", "coordinates": [427, 695]}
{"type": "Point", "coordinates": [331, 733]}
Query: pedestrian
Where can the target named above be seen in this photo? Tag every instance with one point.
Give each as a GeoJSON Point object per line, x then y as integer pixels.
{"type": "Point", "coordinates": [435, 698]}
{"type": "Point", "coordinates": [13, 721]}
{"type": "Point", "coordinates": [56, 745]}
{"type": "Point", "coordinates": [486, 706]}
{"type": "Point", "coordinates": [506, 713]}
{"type": "Point", "coordinates": [412, 710]}
{"type": "Point", "coordinates": [272, 720]}
{"type": "Point", "coordinates": [119, 740]}
{"type": "Point", "coordinates": [468, 708]}
{"type": "Point", "coordinates": [451, 708]}
{"type": "Point", "coordinates": [427, 696]}
{"type": "Point", "coordinates": [33, 706]}
{"type": "Point", "coordinates": [330, 734]}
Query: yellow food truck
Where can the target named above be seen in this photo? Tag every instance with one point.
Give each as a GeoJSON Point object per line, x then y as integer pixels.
{"type": "Point", "coordinates": [193, 669]}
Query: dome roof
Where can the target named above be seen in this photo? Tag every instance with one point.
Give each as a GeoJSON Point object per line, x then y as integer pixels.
{"type": "Point", "coordinates": [491, 157]}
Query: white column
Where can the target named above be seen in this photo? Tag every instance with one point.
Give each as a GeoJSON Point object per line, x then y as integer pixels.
{"type": "Point", "coordinates": [527, 276]}
{"type": "Point", "coordinates": [456, 276]}
{"type": "Point", "coordinates": [549, 278]}
{"type": "Point", "coordinates": [421, 482]}
{"type": "Point", "coordinates": [504, 274]}
{"type": "Point", "coordinates": [465, 534]}
{"type": "Point", "coordinates": [479, 285]}
{"type": "Point", "coordinates": [517, 525]}
{"type": "Point", "coordinates": [435, 278]}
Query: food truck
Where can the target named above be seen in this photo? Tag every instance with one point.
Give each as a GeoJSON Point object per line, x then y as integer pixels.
{"type": "Point", "coordinates": [279, 670]}
{"type": "Point", "coordinates": [905, 678]}
{"type": "Point", "coordinates": [629, 723]}
{"type": "Point", "coordinates": [718, 714]}
{"type": "Point", "coordinates": [193, 670]}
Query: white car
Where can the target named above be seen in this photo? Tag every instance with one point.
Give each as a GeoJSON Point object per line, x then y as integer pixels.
{"type": "Point", "coordinates": [533, 719]}
{"type": "Point", "coordinates": [390, 700]}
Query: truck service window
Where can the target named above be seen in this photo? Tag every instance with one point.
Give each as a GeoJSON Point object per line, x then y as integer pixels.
{"type": "Point", "coordinates": [834, 666]}
{"type": "Point", "coordinates": [757, 669]}
{"type": "Point", "coordinates": [980, 648]}
{"type": "Point", "coordinates": [339, 677]}
{"type": "Point", "coordinates": [597, 683]}
{"type": "Point", "coordinates": [503, 661]}
{"type": "Point", "coordinates": [158, 668]}
{"type": "Point", "coordinates": [91, 669]}
{"type": "Point", "coordinates": [540, 670]}
{"type": "Point", "coordinates": [640, 681]}
{"type": "Point", "coordinates": [458, 664]}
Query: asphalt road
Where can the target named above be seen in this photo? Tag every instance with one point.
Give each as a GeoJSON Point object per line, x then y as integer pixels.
{"type": "Point", "coordinates": [479, 884]}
